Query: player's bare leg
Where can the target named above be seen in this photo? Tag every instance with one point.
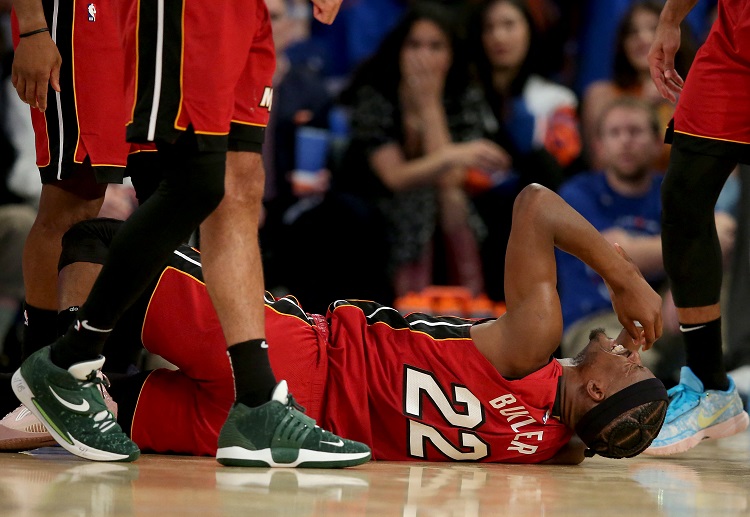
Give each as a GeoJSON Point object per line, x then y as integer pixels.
{"type": "Point", "coordinates": [264, 427]}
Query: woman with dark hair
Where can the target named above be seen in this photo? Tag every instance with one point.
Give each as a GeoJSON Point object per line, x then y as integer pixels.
{"type": "Point", "coordinates": [630, 74]}
{"type": "Point", "coordinates": [532, 118]}
{"type": "Point", "coordinates": [415, 131]}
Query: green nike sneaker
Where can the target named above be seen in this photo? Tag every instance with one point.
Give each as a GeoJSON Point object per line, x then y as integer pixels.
{"type": "Point", "coordinates": [278, 434]}
{"type": "Point", "coordinates": [71, 406]}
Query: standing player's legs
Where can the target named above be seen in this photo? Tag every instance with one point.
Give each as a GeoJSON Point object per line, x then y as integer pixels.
{"type": "Point", "coordinates": [79, 137]}
{"type": "Point", "coordinates": [61, 205]}
{"type": "Point", "coordinates": [229, 237]}
{"type": "Point", "coordinates": [234, 275]}
{"type": "Point", "coordinates": [705, 404]}
{"type": "Point", "coordinates": [709, 136]}
{"type": "Point", "coordinates": [192, 188]}
{"type": "Point", "coordinates": [264, 428]}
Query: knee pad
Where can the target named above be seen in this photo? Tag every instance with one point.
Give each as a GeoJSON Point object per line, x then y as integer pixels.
{"type": "Point", "coordinates": [88, 241]}
{"type": "Point", "coordinates": [204, 181]}
{"type": "Point", "coordinates": [194, 183]}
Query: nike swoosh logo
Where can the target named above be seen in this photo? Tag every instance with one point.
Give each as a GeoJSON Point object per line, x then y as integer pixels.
{"type": "Point", "coordinates": [81, 408]}
{"type": "Point", "coordinates": [690, 329]}
{"type": "Point", "coordinates": [264, 345]}
{"type": "Point", "coordinates": [704, 421]}
{"type": "Point", "coordinates": [85, 324]}
{"type": "Point", "coordinates": [340, 443]}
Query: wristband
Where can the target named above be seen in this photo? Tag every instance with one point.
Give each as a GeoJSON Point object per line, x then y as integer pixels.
{"type": "Point", "coordinates": [31, 33]}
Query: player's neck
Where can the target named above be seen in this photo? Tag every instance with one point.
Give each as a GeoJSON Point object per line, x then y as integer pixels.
{"type": "Point", "coordinates": [565, 400]}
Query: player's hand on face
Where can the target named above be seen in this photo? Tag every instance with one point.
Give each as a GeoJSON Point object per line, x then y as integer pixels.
{"type": "Point", "coordinates": [637, 305]}
{"type": "Point", "coordinates": [626, 340]}
{"type": "Point", "coordinates": [661, 61]}
{"type": "Point", "coordinates": [36, 62]}
{"type": "Point", "coordinates": [325, 11]}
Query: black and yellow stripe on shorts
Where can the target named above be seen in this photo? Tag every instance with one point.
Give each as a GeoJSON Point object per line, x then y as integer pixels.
{"type": "Point", "coordinates": [159, 68]}
{"type": "Point", "coordinates": [61, 116]}
{"type": "Point", "coordinates": [706, 145]}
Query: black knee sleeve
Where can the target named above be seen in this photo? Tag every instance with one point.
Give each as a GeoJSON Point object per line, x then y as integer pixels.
{"type": "Point", "coordinates": [193, 180]}
{"type": "Point", "coordinates": [692, 254]}
{"type": "Point", "coordinates": [192, 188]}
{"type": "Point", "coordinates": [88, 241]}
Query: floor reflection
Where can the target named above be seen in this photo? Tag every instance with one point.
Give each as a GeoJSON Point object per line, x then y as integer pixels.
{"type": "Point", "coordinates": [713, 479]}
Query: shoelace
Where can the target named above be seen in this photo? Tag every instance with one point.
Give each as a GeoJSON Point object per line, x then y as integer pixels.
{"type": "Point", "coordinates": [680, 396]}
{"type": "Point", "coordinates": [292, 402]}
{"type": "Point", "coordinates": [104, 419]}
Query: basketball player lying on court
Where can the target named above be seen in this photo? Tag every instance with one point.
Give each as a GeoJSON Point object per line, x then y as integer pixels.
{"type": "Point", "coordinates": [413, 388]}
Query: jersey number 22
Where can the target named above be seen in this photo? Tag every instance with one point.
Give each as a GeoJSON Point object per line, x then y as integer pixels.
{"type": "Point", "coordinates": [473, 448]}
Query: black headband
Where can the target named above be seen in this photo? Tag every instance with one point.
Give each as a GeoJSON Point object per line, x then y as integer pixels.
{"type": "Point", "coordinates": [601, 415]}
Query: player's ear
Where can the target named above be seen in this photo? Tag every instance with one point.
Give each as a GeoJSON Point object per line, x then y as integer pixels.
{"type": "Point", "coordinates": [594, 391]}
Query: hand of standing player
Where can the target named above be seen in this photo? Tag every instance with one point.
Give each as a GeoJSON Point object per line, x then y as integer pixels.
{"type": "Point", "coordinates": [665, 46]}
{"type": "Point", "coordinates": [325, 11]}
{"type": "Point", "coordinates": [36, 61]}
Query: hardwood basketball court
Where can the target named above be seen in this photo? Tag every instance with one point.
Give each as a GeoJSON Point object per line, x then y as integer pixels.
{"type": "Point", "coordinates": [712, 479]}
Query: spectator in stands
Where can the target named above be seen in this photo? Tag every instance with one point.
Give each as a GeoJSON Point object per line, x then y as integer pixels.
{"type": "Point", "coordinates": [415, 131]}
{"type": "Point", "coordinates": [293, 218]}
{"type": "Point", "coordinates": [622, 201]}
{"type": "Point", "coordinates": [532, 118]}
{"type": "Point", "coordinates": [300, 98]}
{"type": "Point", "coordinates": [594, 36]}
{"type": "Point", "coordinates": [631, 76]}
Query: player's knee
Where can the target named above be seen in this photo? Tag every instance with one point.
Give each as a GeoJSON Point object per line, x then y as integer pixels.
{"type": "Point", "coordinates": [88, 241]}
{"type": "Point", "coordinates": [203, 186]}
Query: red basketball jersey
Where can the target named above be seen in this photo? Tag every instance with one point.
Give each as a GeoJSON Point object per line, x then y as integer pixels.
{"type": "Point", "coordinates": [412, 388]}
{"type": "Point", "coordinates": [418, 388]}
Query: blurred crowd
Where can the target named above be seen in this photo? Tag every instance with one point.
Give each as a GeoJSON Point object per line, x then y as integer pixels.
{"type": "Point", "coordinates": [400, 136]}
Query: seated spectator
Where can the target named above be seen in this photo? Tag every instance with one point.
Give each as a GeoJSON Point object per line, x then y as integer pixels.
{"type": "Point", "coordinates": [532, 118]}
{"type": "Point", "coordinates": [292, 218]}
{"type": "Point", "coordinates": [415, 133]}
{"type": "Point", "coordinates": [623, 202]}
{"type": "Point", "coordinates": [595, 28]}
{"type": "Point", "coordinates": [300, 99]}
{"type": "Point", "coordinates": [631, 76]}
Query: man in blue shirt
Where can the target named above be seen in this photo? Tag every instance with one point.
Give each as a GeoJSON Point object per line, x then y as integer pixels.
{"type": "Point", "coordinates": [623, 202]}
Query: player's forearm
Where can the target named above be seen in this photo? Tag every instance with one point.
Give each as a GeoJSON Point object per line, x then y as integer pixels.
{"type": "Point", "coordinates": [645, 252]}
{"type": "Point", "coordinates": [30, 15]}
{"type": "Point", "coordinates": [572, 233]}
{"type": "Point", "coordinates": [674, 11]}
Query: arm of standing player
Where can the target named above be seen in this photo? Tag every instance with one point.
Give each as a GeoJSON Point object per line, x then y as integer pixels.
{"type": "Point", "coordinates": [523, 339]}
{"type": "Point", "coordinates": [325, 11]}
{"type": "Point", "coordinates": [36, 61]}
{"type": "Point", "coordinates": [665, 46]}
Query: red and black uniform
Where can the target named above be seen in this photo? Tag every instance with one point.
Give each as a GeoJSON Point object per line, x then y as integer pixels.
{"type": "Point", "coordinates": [86, 119]}
{"type": "Point", "coordinates": [712, 112]}
{"type": "Point", "coordinates": [183, 72]}
{"type": "Point", "coordinates": [413, 387]}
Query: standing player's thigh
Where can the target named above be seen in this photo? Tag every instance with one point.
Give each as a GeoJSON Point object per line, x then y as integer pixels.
{"type": "Point", "coordinates": [253, 94]}
{"type": "Point", "coordinates": [86, 118]}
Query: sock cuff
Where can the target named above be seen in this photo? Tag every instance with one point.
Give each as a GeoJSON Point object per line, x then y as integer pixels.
{"type": "Point", "coordinates": [689, 327]}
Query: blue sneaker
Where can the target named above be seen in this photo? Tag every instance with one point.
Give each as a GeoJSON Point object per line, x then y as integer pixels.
{"type": "Point", "coordinates": [694, 415]}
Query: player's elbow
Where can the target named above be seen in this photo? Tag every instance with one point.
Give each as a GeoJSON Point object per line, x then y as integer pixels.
{"type": "Point", "coordinates": [530, 201]}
